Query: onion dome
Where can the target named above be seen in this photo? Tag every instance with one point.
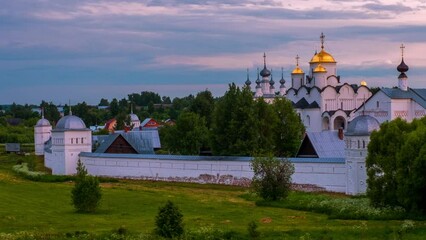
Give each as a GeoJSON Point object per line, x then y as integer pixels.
{"type": "Point", "coordinates": [248, 82]}
{"type": "Point", "coordinates": [402, 67]}
{"type": "Point", "coordinates": [42, 123]}
{"type": "Point", "coordinates": [297, 70]}
{"type": "Point", "coordinates": [265, 72]}
{"type": "Point", "coordinates": [70, 122]}
{"type": "Point", "coordinates": [362, 125]}
{"type": "Point", "coordinates": [322, 56]}
{"type": "Point", "coordinates": [320, 69]}
{"type": "Point", "coordinates": [282, 81]}
{"type": "Point", "coordinates": [363, 83]}
{"type": "Point", "coordinates": [271, 82]}
{"type": "Point", "coordinates": [257, 80]}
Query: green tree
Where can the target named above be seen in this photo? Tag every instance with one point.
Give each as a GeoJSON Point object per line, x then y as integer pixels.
{"type": "Point", "coordinates": [51, 112]}
{"type": "Point", "coordinates": [381, 162]}
{"type": "Point", "coordinates": [272, 177]}
{"type": "Point", "coordinates": [266, 121]}
{"type": "Point", "coordinates": [169, 221]}
{"type": "Point", "coordinates": [203, 105]}
{"type": "Point", "coordinates": [233, 123]}
{"type": "Point", "coordinates": [114, 107]}
{"type": "Point", "coordinates": [103, 102]}
{"type": "Point", "coordinates": [86, 194]}
{"type": "Point", "coordinates": [289, 130]}
{"type": "Point", "coordinates": [187, 136]}
{"type": "Point", "coordinates": [411, 168]}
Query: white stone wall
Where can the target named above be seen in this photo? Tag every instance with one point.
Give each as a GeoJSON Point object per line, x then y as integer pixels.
{"type": "Point", "coordinates": [41, 135]}
{"type": "Point", "coordinates": [331, 176]}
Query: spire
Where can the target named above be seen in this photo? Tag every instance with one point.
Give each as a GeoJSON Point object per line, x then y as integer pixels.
{"type": "Point", "coordinates": [297, 60]}
{"type": "Point", "coordinates": [42, 112]}
{"type": "Point", "coordinates": [282, 81]}
{"type": "Point", "coordinates": [322, 36]}
{"type": "Point", "coordinates": [271, 82]}
{"type": "Point", "coordinates": [264, 60]}
{"type": "Point", "coordinates": [69, 102]}
{"type": "Point", "coordinates": [248, 82]}
{"type": "Point", "coordinates": [402, 50]}
{"type": "Point", "coordinates": [131, 107]}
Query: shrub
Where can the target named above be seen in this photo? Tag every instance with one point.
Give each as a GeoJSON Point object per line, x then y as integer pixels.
{"type": "Point", "coordinates": [169, 221]}
{"type": "Point", "coordinates": [86, 194]}
{"type": "Point", "coordinates": [272, 177]}
{"type": "Point", "coordinates": [252, 230]}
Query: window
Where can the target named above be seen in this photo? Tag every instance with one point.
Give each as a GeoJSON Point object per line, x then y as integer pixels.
{"type": "Point", "coordinates": [341, 105]}
{"type": "Point", "coordinates": [72, 140]}
{"type": "Point", "coordinates": [377, 104]}
{"type": "Point", "coordinates": [308, 120]}
{"type": "Point", "coordinates": [359, 144]}
{"type": "Point", "coordinates": [363, 144]}
{"type": "Point", "coordinates": [76, 140]}
{"type": "Point", "coordinates": [81, 140]}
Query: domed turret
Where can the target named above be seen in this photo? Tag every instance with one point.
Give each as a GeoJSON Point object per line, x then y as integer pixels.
{"type": "Point", "coordinates": [43, 122]}
{"type": "Point", "coordinates": [70, 122]}
{"type": "Point", "coordinates": [322, 56]}
{"type": "Point", "coordinates": [248, 82]}
{"type": "Point", "coordinates": [265, 72]}
{"type": "Point", "coordinates": [320, 69]}
{"type": "Point", "coordinates": [362, 125]}
{"type": "Point", "coordinates": [402, 68]}
{"type": "Point", "coordinates": [282, 81]}
{"type": "Point", "coordinates": [272, 82]}
{"type": "Point", "coordinates": [297, 70]}
{"type": "Point", "coordinates": [363, 83]}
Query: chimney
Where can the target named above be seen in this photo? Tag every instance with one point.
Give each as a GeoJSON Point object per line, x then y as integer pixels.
{"type": "Point", "coordinates": [340, 133]}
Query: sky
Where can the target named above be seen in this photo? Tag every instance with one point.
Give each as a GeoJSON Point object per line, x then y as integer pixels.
{"type": "Point", "coordinates": [83, 50]}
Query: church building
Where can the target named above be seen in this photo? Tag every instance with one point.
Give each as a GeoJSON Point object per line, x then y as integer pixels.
{"type": "Point", "coordinates": [321, 99]}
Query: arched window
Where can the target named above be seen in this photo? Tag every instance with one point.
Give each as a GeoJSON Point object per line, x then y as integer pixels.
{"type": "Point", "coordinates": [359, 144]}
{"type": "Point", "coordinates": [81, 140]}
{"type": "Point", "coordinates": [363, 144]}
{"type": "Point", "coordinates": [341, 105]}
{"type": "Point", "coordinates": [377, 104]}
{"type": "Point", "coordinates": [308, 120]}
{"type": "Point", "coordinates": [72, 140]}
{"type": "Point", "coordinates": [76, 140]}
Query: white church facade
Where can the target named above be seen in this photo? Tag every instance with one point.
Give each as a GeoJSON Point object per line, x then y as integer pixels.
{"type": "Point", "coordinates": [321, 99]}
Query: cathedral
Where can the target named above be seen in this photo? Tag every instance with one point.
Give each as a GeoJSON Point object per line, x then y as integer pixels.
{"type": "Point", "coordinates": [321, 99]}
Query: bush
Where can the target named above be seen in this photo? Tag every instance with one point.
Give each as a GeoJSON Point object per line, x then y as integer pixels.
{"type": "Point", "coordinates": [252, 230]}
{"type": "Point", "coordinates": [169, 221]}
{"type": "Point", "coordinates": [86, 194]}
{"type": "Point", "coordinates": [272, 177]}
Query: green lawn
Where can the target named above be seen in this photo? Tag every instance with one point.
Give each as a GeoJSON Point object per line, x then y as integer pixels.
{"type": "Point", "coordinates": [45, 208]}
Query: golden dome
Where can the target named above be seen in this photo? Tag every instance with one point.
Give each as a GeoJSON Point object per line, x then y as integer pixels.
{"type": "Point", "coordinates": [322, 57]}
{"type": "Point", "coordinates": [320, 69]}
{"type": "Point", "coordinates": [297, 70]}
{"type": "Point", "coordinates": [363, 83]}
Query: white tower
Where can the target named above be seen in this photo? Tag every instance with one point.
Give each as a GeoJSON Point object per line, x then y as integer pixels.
{"type": "Point", "coordinates": [322, 66]}
{"type": "Point", "coordinates": [402, 68]}
{"type": "Point", "coordinates": [356, 140]}
{"type": "Point", "coordinates": [282, 82]}
{"type": "Point", "coordinates": [69, 139]}
{"type": "Point", "coordinates": [42, 132]}
{"type": "Point", "coordinates": [134, 119]}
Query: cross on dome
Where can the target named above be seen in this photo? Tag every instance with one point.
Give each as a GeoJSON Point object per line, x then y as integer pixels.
{"type": "Point", "coordinates": [297, 60]}
{"type": "Point", "coordinates": [402, 49]}
{"type": "Point", "coordinates": [322, 36]}
{"type": "Point", "coordinates": [264, 60]}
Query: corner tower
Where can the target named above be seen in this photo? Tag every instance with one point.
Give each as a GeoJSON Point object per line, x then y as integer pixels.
{"type": "Point", "coordinates": [42, 132]}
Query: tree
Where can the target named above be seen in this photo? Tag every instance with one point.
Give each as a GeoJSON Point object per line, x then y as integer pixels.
{"type": "Point", "coordinates": [187, 136]}
{"type": "Point", "coordinates": [233, 123]}
{"type": "Point", "coordinates": [289, 130]}
{"type": "Point", "coordinates": [396, 163]}
{"type": "Point", "coordinates": [114, 108]}
{"type": "Point", "coordinates": [86, 194]}
{"type": "Point", "coordinates": [103, 102]}
{"type": "Point", "coordinates": [266, 121]}
{"type": "Point", "coordinates": [272, 177]}
{"type": "Point", "coordinates": [203, 105]}
{"type": "Point", "coordinates": [50, 111]}
{"type": "Point", "coordinates": [169, 221]}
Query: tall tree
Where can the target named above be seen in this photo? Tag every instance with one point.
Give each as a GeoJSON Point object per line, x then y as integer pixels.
{"type": "Point", "coordinates": [233, 122]}
{"type": "Point", "coordinates": [289, 130]}
{"type": "Point", "coordinates": [266, 121]}
{"type": "Point", "coordinates": [203, 105]}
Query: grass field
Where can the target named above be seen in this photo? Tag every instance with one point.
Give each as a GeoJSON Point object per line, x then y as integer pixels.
{"type": "Point", "coordinates": [44, 208]}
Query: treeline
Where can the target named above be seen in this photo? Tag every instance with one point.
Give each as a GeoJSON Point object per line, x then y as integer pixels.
{"type": "Point", "coordinates": [235, 125]}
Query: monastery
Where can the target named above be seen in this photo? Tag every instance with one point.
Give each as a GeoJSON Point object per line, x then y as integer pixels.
{"type": "Point", "coordinates": [331, 160]}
